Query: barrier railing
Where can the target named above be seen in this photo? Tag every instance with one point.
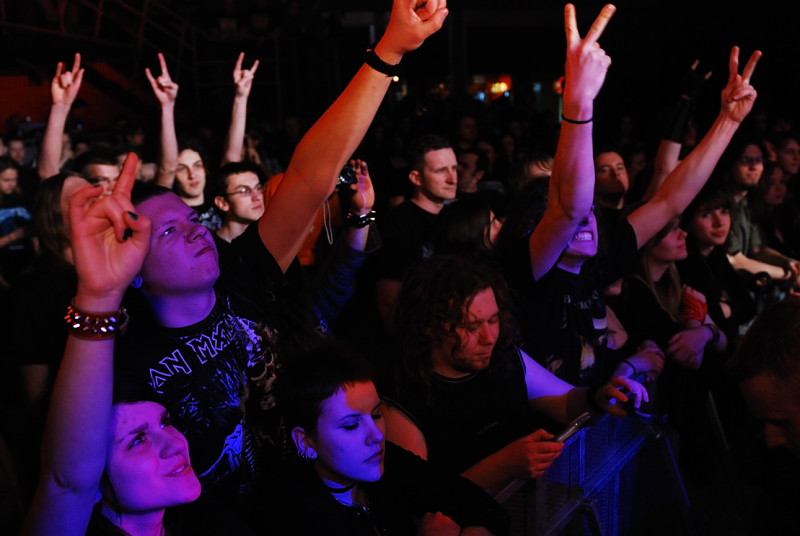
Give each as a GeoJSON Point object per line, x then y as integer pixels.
{"type": "Point", "coordinates": [608, 477]}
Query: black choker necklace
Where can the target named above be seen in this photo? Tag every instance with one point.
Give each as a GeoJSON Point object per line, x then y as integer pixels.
{"type": "Point", "coordinates": [339, 490]}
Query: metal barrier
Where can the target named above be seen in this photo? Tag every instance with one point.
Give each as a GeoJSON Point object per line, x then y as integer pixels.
{"type": "Point", "coordinates": [608, 478]}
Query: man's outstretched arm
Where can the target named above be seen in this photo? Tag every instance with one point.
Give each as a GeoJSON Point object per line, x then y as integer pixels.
{"type": "Point", "coordinates": [326, 147]}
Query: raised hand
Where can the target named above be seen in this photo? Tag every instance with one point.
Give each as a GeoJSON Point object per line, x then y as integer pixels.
{"type": "Point", "coordinates": [109, 240]}
{"type": "Point", "coordinates": [738, 96]}
{"type": "Point", "coordinates": [608, 396]}
{"type": "Point", "coordinates": [165, 89]}
{"type": "Point", "coordinates": [412, 22]}
{"type": "Point", "coordinates": [363, 193]}
{"type": "Point", "coordinates": [66, 84]}
{"type": "Point", "coordinates": [587, 63]}
{"type": "Point", "coordinates": [693, 82]}
{"type": "Point", "coordinates": [243, 78]}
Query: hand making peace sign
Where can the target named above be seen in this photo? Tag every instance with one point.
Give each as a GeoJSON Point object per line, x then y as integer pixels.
{"type": "Point", "coordinates": [587, 63]}
{"type": "Point", "coordinates": [738, 96]}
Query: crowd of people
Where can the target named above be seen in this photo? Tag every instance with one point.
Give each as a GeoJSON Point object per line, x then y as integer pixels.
{"type": "Point", "coordinates": [248, 340]}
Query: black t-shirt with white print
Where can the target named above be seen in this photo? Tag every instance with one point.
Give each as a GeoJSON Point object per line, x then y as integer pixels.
{"type": "Point", "coordinates": [215, 376]}
{"type": "Point", "coordinates": [563, 315]}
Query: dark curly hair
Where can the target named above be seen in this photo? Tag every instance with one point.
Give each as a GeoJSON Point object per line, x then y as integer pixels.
{"type": "Point", "coordinates": [432, 304]}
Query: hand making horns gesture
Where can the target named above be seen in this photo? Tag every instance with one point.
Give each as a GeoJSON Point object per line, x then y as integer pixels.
{"type": "Point", "coordinates": [738, 96]}
{"type": "Point", "coordinates": [587, 63]}
{"type": "Point", "coordinates": [243, 78]}
{"type": "Point", "coordinates": [109, 240]}
{"type": "Point", "coordinates": [66, 84]}
{"type": "Point", "coordinates": [165, 89]}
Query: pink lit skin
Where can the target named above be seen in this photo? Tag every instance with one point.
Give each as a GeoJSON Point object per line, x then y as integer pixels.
{"type": "Point", "coordinates": [148, 461]}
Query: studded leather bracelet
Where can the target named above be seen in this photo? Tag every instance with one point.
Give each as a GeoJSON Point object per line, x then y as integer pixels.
{"type": "Point", "coordinates": [95, 326]}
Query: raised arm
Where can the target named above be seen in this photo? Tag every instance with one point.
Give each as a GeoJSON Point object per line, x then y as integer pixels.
{"type": "Point", "coordinates": [571, 189]}
{"type": "Point", "coordinates": [166, 91]}
{"type": "Point", "coordinates": [243, 80]}
{"type": "Point", "coordinates": [669, 149]}
{"type": "Point", "coordinates": [109, 244]}
{"type": "Point", "coordinates": [361, 202]}
{"type": "Point", "coordinates": [311, 175]}
{"type": "Point", "coordinates": [63, 90]}
{"type": "Point", "coordinates": [683, 184]}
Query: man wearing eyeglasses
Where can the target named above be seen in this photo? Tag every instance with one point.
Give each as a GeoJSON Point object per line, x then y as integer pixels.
{"type": "Point", "coordinates": [239, 188]}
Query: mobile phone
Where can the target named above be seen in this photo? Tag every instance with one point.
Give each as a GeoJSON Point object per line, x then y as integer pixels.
{"type": "Point", "coordinates": [573, 428]}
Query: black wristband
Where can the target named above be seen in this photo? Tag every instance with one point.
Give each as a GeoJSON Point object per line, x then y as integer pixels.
{"type": "Point", "coordinates": [630, 365]}
{"type": "Point", "coordinates": [675, 128]}
{"type": "Point", "coordinates": [359, 221]}
{"type": "Point", "coordinates": [714, 334]}
{"type": "Point", "coordinates": [378, 64]}
{"type": "Point", "coordinates": [574, 122]}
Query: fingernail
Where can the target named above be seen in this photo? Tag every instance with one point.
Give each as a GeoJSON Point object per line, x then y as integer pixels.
{"type": "Point", "coordinates": [133, 216]}
{"type": "Point", "coordinates": [126, 234]}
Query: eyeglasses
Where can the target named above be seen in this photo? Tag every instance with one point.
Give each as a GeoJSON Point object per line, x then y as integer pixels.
{"type": "Point", "coordinates": [246, 191]}
{"type": "Point", "coordinates": [751, 160]}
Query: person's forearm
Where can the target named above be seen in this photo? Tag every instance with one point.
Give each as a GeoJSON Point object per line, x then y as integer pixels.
{"type": "Point", "coordinates": [665, 162]}
{"type": "Point", "coordinates": [168, 151]}
{"type": "Point", "coordinates": [721, 339]}
{"type": "Point", "coordinates": [578, 404]}
{"type": "Point", "coordinates": [357, 237]}
{"type": "Point", "coordinates": [771, 256]}
{"type": "Point", "coordinates": [691, 174]}
{"type": "Point", "coordinates": [50, 151]}
{"type": "Point", "coordinates": [235, 140]}
{"type": "Point", "coordinates": [329, 143]}
{"type": "Point", "coordinates": [572, 180]}
{"type": "Point", "coordinates": [74, 447]}
{"type": "Point", "coordinates": [742, 262]}
{"type": "Point", "coordinates": [312, 173]}
{"type": "Point", "coordinates": [491, 473]}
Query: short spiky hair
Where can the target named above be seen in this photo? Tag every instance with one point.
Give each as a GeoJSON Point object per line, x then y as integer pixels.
{"type": "Point", "coordinates": [422, 146]}
{"type": "Point", "coordinates": [307, 380]}
{"type": "Point", "coordinates": [219, 179]}
{"type": "Point", "coordinates": [432, 304]}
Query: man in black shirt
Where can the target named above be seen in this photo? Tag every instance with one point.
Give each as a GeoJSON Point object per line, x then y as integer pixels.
{"type": "Point", "coordinates": [408, 229]}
